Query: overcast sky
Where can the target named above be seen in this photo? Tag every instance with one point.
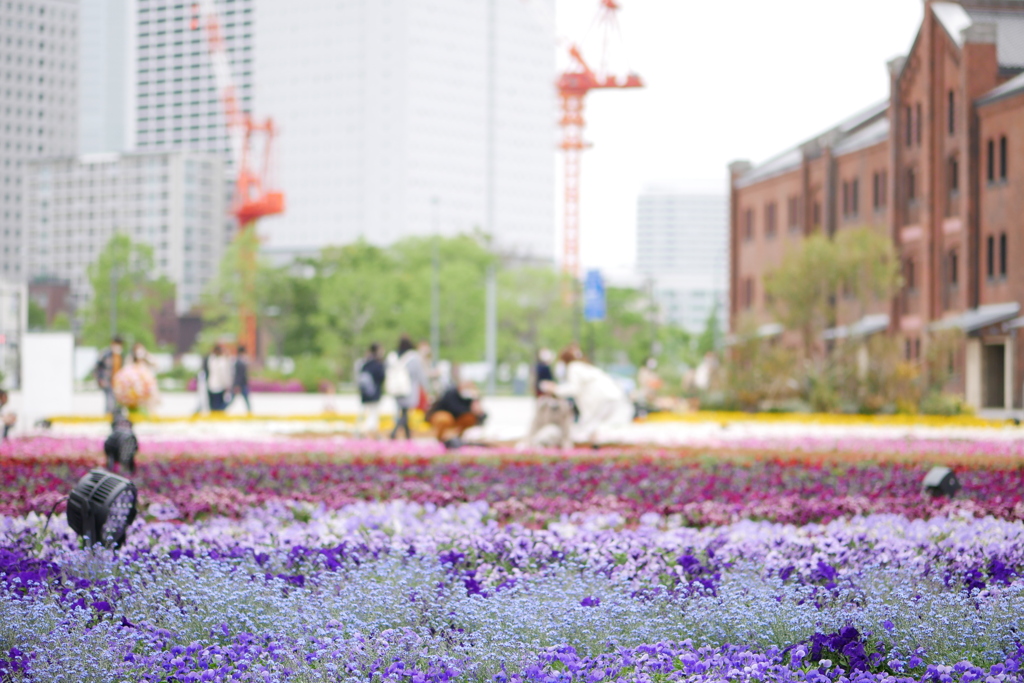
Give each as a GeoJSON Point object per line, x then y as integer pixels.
{"type": "Point", "coordinates": [726, 79]}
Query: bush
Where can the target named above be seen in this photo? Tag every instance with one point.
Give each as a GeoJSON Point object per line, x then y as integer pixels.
{"type": "Point", "coordinates": [178, 373]}
{"type": "Point", "coordinates": [315, 372]}
{"type": "Point", "coordinates": [939, 403]}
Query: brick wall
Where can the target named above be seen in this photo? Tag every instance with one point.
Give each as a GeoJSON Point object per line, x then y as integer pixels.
{"type": "Point", "coordinates": [945, 182]}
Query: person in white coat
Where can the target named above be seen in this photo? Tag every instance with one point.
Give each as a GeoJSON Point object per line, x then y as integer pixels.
{"type": "Point", "coordinates": [220, 374]}
{"type": "Point", "coordinates": [601, 402]}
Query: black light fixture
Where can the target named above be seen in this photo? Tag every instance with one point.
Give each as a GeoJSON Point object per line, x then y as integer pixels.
{"type": "Point", "coordinates": [102, 507]}
{"type": "Point", "coordinates": [941, 481]}
{"type": "Point", "coordinates": [121, 446]}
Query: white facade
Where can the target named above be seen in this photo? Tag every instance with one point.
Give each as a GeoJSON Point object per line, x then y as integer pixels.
{"type": "Point", "coordinates": [13, 326]}
{"type": "Point", "coordinates": [172, 201]}
{"type": "Point", "coordinates": [38, 105]}
{"type": "Point", "coordinates": [383, 106]}
{"type": "Point", "coordinates": [106, 67]}
{"type": "Point", "coordinates": [178, 103]}
{"type": "Point", "coordinates": [682, 246]}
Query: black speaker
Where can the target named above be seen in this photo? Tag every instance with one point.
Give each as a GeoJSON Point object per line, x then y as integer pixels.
{"type": "Point", "coordinates": [102, 507]}
{"type": "Point", "coordinates": [941, 481]}
{"type": "Point", "coordinates": [121, 446]}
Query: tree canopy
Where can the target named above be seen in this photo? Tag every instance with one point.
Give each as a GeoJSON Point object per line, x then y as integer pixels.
{"type": "Point", "coordinates": [122, 282]}
{"type": "Point", "coordinates": [334, 305]}
{"type": "Point", "coordinates": [859, 265]}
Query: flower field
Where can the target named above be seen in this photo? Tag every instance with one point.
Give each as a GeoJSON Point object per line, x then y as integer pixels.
{"type": "Point", "coordinates": [346, 561]}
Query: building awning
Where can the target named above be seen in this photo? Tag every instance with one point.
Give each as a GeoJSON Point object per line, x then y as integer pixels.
{"type": "Point", "coordinates": [865, 327]}
{"type": "Point", "coordinates": [978, 318]}
{"type": "Point", "coordinates": [763, 332]}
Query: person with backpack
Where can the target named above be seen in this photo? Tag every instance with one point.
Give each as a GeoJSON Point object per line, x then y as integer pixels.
{"type": "Point", "coordinates": [404, 378]}
{"type": "Point", "coordinates": [370, 379]}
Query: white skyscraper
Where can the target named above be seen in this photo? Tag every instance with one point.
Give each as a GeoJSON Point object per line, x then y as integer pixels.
{"type": "Point", "coordinates": [682, 247]}
{"type": "Point", "coordinates": [178, 103]}
{"type": "Point", "coordinates": [383, 106]}
{"type": "Point", "coordinates": [38, 105]}
{"type": "Point", "coordinates": [172, 201]}
{"type": "Point", "coordinates": [106, 69]}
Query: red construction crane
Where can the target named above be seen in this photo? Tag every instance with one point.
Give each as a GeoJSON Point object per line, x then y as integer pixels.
{"type": "Point", "coordinates": [573, 86]}
{"type": "Point", "coordinates": [253, 199]}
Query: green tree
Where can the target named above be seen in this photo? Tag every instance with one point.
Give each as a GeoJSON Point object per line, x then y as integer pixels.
{"type": "Point", "coordinates": [61, 323]}
{"type": "Point", "coordinates": [860, 262]}
{"type": "Point", "coordinates": [869, 270]}
{"type": "Point", "coordinates": [676, 347]}
{"type": "Point", "coordinates": [241, 284]}
{"type": "Point", "coordinates": [359, 290]}
{"type": "Point", "coordinates": [532, 313]}
{"type": "Point", "coordinates": [802, 290]}
{"type": "Point", "coordinates": [710, 337]}
{"type": "Point", "coordinates": [36, 316]}
{"type": "Point", "coordinates": [759, 370]}
{"type": "Point", "coordinates": [290, 308]}
{"type": "Point", "coordinates": [37, 319]}
{"type": "Point", "coordinates": [625, 333]}
{"type": "Point", "coordinates": [324, 311]}
{"type": "Point", "coordinates": [464, 262]}
{"type": "Point", "coordinates": [121, 278]}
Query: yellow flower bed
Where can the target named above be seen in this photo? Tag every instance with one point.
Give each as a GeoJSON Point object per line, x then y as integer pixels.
{"type": "Point", "coordinates": [829, 419]}
{"type": "Point", "coordinates": [212, 417]}
{"type": "Point", "coordinates": [417, 420]}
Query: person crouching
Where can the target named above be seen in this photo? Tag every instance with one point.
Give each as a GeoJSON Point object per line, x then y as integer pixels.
{"type": "Point", "coordinates": [457, 410]}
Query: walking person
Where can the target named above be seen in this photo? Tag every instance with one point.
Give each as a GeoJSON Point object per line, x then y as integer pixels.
{"type": "Point", "coordinates": [220, 377]}
{"type": "Point", "coordinates": [202, 395]}
{"type": "Point", "coordinates": [370, 378]}
{"type": "Point", "coordinates": [404, 378]}
{"type": "Point", "coordinates": [240, 386]}
{"type": "Point", "coordinates": [107, 366]}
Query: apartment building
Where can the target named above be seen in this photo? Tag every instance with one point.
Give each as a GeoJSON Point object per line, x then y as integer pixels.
{"type": "Point", "coordinates": [38, 105]}
{"type": "Point", "coordinates": [172, 201]}
{"type": "Point", "coordinates": [682, 251]}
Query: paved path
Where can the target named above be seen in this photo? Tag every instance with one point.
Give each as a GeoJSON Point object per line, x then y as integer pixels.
{"type": "Point", "coordinates": [508, 420]}
{"type": "Point", "coordinates": [508, 416]}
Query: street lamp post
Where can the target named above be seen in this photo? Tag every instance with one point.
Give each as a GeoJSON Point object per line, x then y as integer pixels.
{"type": "Point", "coordinates": [113, 300]}
{"type": "Point", "coordinates": [491, 335]}
{"type": "Point", "coordinates": [435, 286]}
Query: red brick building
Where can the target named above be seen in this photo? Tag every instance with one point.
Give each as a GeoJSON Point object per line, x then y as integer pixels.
{"type": "Point", "coordinates": [940, 168]}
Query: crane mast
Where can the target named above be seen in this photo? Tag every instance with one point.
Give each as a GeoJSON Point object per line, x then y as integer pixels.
{"type": "Point", "coordinates": [573, 86]}
{"type": "Point", "coordinates": [252, 199]}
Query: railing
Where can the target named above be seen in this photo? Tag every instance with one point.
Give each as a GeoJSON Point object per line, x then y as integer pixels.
{"type": "Point", "coordinates": [913, 216]}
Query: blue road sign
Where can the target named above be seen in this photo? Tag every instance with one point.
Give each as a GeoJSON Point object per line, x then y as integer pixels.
{"type": "Point", "coordinates": [593, 297]}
